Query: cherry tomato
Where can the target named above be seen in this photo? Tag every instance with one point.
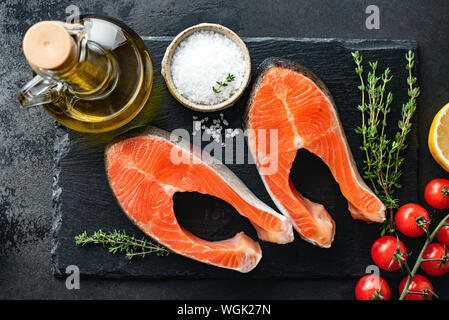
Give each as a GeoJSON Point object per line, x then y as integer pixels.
{"type": "Point", "coordinates": [437, 193]}
{"type": "Point", "coordinates": [372, 287]}
{"type": "Point", "coordinates": [435, 251]}
{"type": "Point", "coordinates": [406, 219]}
{"type": "Point", "coordinates": [443, 235]}
{"type": "Point", "coordinates": [419, 284]}
{"type": "Point", "coordinates": [383, 250]}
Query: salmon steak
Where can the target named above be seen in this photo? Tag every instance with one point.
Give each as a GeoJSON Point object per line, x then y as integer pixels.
{"type": "Point", "coordinates": [147, 167]}
{"type": "Point", "coordinates": [292, 102]}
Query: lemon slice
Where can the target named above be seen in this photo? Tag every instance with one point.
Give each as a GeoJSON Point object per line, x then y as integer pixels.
{"type": "Point", "coordinates": [439, 137]}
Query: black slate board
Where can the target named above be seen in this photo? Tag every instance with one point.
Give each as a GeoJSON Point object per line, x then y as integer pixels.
{"type": "Point", "coordinates": [82, 199]}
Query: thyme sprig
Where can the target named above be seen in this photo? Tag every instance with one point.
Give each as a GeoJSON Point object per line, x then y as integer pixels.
{"type": "Point", "coordinates": [383, 156]}
{"type": "Point", "coordinates": [119, 241]}
{"type": "Point", "coordinates": [221, 84]}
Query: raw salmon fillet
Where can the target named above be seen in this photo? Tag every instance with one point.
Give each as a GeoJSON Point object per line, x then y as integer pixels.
{"type": "Point", "coordinates": [291, 100]}
{"type": "Point", "coordinates": [146, 168]}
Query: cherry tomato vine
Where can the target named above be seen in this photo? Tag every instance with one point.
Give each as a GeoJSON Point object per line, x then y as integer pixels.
{"type": "Point", "coordinates": [389, 253]}
{"type": "Point", "coordinates": [421, 259]}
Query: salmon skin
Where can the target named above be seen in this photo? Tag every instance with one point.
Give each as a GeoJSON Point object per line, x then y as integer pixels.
{"type": "Point", "coordinates": [146, 168]}
{"type": "Point", "coordinates": [290, 99]}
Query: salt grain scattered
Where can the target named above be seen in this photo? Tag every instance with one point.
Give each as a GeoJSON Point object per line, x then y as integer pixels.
{"type": "Point", "coordinates": [201, 60]}
{"type": "Point", "coordinates": [215, 129]}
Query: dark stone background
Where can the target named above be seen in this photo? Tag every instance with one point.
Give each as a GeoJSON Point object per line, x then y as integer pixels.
{"type": "Point", "coordinates": [26, 136]}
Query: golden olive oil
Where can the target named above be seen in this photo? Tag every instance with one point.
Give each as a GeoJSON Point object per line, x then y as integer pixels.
{"type": "Point", "coordinates": [109, 82]}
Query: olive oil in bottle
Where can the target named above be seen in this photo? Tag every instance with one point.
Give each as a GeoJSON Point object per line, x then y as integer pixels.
{"type": "Point", "coordinates": [93, 76]}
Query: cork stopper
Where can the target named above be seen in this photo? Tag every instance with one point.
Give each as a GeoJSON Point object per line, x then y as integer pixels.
{"type": "Point", "coordinates": [48, 45]}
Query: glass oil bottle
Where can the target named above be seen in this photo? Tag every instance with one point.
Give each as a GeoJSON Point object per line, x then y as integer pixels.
{"type": "Point", "coordinates": [93, 76]}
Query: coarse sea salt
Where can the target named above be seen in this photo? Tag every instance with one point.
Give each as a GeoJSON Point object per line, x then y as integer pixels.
{"type": "Point", "coordinates": [215, 129]}
{"type": "Point", "coordinates": [201, 60]}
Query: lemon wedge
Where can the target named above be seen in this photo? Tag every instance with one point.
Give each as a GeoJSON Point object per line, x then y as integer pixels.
{"type": "Point", "coordinates": [439, 137]}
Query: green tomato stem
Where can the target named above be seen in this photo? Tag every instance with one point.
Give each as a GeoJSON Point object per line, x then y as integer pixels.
{"type": "Point", "coordinates": [419, 260]}
{"type": "Point", "coordinates": [429, 260]}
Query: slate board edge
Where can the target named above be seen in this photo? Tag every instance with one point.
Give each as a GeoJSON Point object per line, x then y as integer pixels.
{"type": "Point", "coordinates": [61, 146]}
{"type": "Point", "coordinates": [350, 43]}
{"type": "Point", "coordinates": [59, 273]}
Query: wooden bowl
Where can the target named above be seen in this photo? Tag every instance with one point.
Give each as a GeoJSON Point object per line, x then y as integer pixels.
{"type": "Point", "coordinates": [166, 67]}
